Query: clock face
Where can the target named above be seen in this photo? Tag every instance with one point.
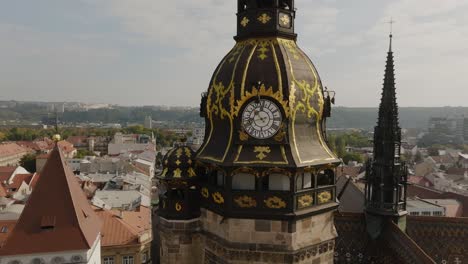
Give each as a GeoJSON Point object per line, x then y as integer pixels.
{"type": "Point", "coordinates": [261, 119]}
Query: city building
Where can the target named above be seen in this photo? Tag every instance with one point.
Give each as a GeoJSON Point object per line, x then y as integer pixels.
{"type": "Point", "coordinates": [57, 224]}
{"type": "Point", "coordinates": [16, 183]}
{"type": "Point", "coordinates": [11, 154]}
{"type": "Point", "coordinates": [130, 143]}
{"type": "Point", "coordinates": [148, 122]}
{"type": "Point", "coordinates": [462, 161]}
{"type": "Point", "coordinates": [424, 208]}
{"type": "Point", "coordinates": [126, 236]}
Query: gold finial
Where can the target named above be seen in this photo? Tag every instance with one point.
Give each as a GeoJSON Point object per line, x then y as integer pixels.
{"type": "Point", "coordinates": [56, 138]}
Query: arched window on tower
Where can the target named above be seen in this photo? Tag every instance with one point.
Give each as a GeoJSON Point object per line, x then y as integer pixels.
{"type": "Point", "coordinates": [243, 181]}
{"type": "Point", "coordinates": [285, 4]}
{"type": "Point", "coordinates": [304, 181]}
{"type": "Point", "coordinates": [217, 178]}
{"type": "Point", "coordinates": [278, 182]}
{"type": "Point", "coordinates": [325, 178]}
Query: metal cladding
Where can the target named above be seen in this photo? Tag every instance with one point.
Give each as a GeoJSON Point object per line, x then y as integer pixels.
{"type": "Point", "coordinates": [179, 163]}
{"type": "Point", "coordinates": [276, 70]}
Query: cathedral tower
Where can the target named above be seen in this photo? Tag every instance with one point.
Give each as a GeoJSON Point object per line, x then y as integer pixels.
{"type": "Point", "coordinates": [268, 190]}
{"type": "Point", "coordinates": [386, 174]}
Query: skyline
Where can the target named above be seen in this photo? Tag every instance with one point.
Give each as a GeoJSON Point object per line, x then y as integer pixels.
{"type": "Point", "coordinates": [138, 53]}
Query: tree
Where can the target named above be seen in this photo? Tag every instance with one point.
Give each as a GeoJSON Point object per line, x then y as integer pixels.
{"type": "Point", "coordinates": [81, 153]}
{"type": "Point", "coordinates": [340, 146]}
{"type": "Point", "coordinates": [28, 162]}
{"type": "Point", "coordinates": [350, 156]}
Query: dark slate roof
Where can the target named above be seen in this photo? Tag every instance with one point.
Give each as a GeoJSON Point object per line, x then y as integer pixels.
{"type": "Point", "coordinates": [352, 200]}
{"type": "Point", "coordinates": [354, 245]}
{"type": "Point", "coordinates": [445, 239]}
{"type": "Point", "coordinates": [178, 163]}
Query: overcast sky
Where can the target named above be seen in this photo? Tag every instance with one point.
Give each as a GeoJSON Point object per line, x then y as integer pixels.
{"type": "Point", "coordinates": [158, 52]}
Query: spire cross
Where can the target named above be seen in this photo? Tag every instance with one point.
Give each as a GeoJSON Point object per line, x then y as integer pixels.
{"type": "Point", "coordinates": [391, 22]}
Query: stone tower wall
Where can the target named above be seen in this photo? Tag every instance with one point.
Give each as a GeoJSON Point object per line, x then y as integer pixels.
{"type": "Point", "coordinates": [180, 241]}
{"type": "Point", "coordinates": [309, 240]}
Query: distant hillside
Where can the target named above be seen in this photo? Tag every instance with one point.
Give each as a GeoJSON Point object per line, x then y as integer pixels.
{"type": "Point", "coordinates": [410, 117]}
{"type": "Point", "coordinates": [342, 117]}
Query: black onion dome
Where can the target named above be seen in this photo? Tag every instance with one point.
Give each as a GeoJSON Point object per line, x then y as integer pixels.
{"type": "Point", "coordinates": [276, 69]}
{"type": "Point", "coordinates": [179, 163]}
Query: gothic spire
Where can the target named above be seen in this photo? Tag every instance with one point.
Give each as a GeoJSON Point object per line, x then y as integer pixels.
{"type": "Point", "coordinates": [388, 110]}
{"type": "Point", "coordinates": [386, 174]}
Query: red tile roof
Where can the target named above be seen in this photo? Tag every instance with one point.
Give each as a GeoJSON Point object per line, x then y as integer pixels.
{"type": "Point", "coordinates": [66, 146]}
{"type": "Point", "coordinates": [59, 198]}
{"type": "Point", "coordinates": [457, 171]}
{"type": "Point", "coordinates": [6, 172]}
{"type": "Point", "coordinates": [9, 149]}
{"type": "Point", "coordinates": [16, 183]}
{"type": "Point", "coordinates": [123, 228]}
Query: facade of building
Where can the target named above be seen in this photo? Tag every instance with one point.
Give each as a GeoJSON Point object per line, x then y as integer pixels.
{"type": "Point", "coordinates": [130, 143]}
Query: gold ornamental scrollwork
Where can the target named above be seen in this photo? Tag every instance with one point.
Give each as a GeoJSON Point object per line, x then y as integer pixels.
{"type": "Point", "coordinates": [243, 136]}
{"type": "Point", "coordinates": [216, 108]}
{"type": "Point", "coordinates": [245, 21]}
{"type": "Point", "coordinates": [324, 197]}
{"type": "Point", "coordinates": [218, 198]}
{"type": "Point", "coordinates": [245, 202]}
{"type": "Point", "coordinates": [279, 137]}
{"type": "Point", "coordinates": [178, 207]}
{"type": "Point", "coordinates": [275, 203]}
{"type": "Point", "coordinates": [177, 173]}
{"type": "Point", "coordinates": [262, 91]}
{"type": "Point", "coordinates": [205, 193]}
{"type": "Point", "coordinates": [263, 49]}
{"type": "Point", "coordinates": [304, 103]}
{"type": "Point", "coordinates": [305, 201]}
{"type": "Point", "coordinates": [191, 172]}
{"type": "Point", "coordinates": [262, 152]}
{"type": "Point", "coordinates": [264, 18]}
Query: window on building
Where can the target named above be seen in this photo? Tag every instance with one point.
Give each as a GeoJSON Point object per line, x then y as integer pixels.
{"type": "Point", "coordinates": [108, 260]}
{"type": "Point", "coordinates": [144, 257]}
{"type": "Point", "coordinates": [437, 213]}
{"type": "Point", "coordinates": [426, 213]}
{"type": "Point", "coordinates": [278, 182]}
{"type": "Point", "coordinates": [305, 181]}
{"type": "Point", "coordinates": [414, 213]}
{"type": "Point", "coordinates": [325, 178]}
{"type": "Point", "coordinates": [220, 178]}
{"type": "Point", "coordinates": [4, 229]}
{"type": "Point", "coordinates": [243, 181]}
{"type": "Point", "coordinates": [127, 260]}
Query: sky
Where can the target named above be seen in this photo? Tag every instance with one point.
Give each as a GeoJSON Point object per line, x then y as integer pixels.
{"type": "Point", "coordinates": [155, 52]}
